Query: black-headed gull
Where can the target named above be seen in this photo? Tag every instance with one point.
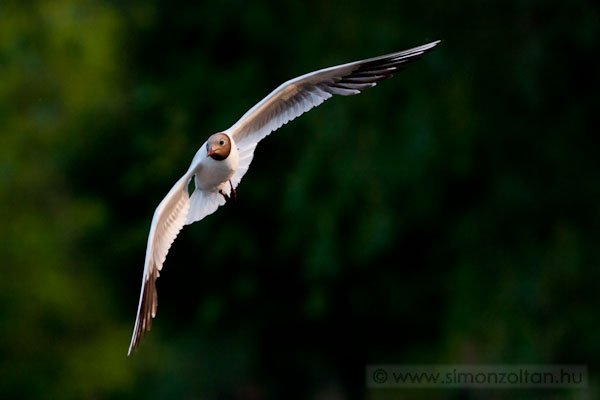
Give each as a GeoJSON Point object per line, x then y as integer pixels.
{"type": "Point", "coordinates": [222, 161]}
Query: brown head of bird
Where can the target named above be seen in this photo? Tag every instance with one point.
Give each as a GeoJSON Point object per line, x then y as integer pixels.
{"type": "Point", "coordinates": [218, 146]}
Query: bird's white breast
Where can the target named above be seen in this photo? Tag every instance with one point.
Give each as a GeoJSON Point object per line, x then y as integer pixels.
{"type": "Point", "coordinates": [212, 174]}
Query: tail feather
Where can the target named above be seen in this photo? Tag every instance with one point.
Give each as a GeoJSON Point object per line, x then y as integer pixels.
{"type": "Point", "coordinates": [203, 203]}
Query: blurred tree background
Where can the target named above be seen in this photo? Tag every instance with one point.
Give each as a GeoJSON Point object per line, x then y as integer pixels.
{"type": "Point", "coordinates": [450, 215]}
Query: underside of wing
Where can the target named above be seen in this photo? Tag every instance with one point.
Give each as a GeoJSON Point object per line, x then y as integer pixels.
{"type": "Point", "coordinates": [246, 153]}
{"type": "Point", "coordinates": [168, 220]}
{"type": "Point", "coordinates": [299, 95]}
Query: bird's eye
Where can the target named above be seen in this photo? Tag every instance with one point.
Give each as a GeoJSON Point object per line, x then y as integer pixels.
{"type": "Point", "coordinates": [222, 142]}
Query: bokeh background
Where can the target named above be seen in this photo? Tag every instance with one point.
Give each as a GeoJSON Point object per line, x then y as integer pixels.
{"type": "Point", "coordinates": [450, 215]}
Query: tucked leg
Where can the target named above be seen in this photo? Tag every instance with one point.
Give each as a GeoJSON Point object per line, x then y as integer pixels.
{"type": "Point", "coordinates": [232, 196]}
{"type": "Point", "coordinates": [233, 193]}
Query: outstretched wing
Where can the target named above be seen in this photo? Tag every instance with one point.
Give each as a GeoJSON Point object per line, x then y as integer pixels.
{"type": "Point", "coordinates": [299, 95]}
{"type": "Point", "coordinates": [169, 218]}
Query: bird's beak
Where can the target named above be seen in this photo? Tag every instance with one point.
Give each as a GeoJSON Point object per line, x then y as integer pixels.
{"type": "Point", "coordinates": [210, 153]}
